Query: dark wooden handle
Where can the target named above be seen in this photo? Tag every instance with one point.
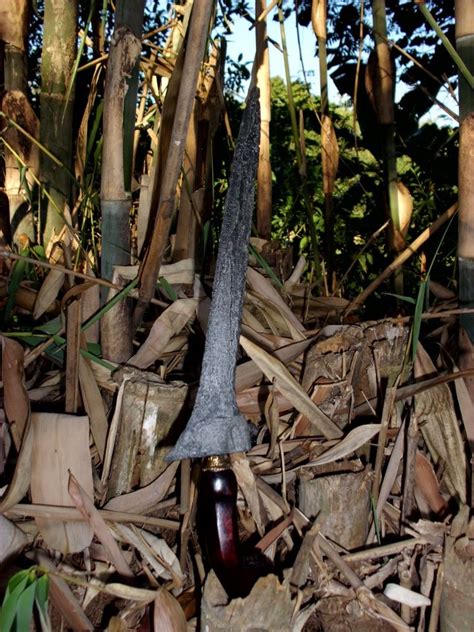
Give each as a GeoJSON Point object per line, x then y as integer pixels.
{"type": "Point", "coordinates": [218, 527]}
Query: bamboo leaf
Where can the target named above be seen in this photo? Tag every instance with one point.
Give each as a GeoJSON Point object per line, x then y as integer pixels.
{"type": "Point", "coordinates": [61, 444]}
{"type": "Point", "coordinates": [169, 323]}
{"type": "Point", "coordinates": [420, 301]}
{"type": "Point", "coordinates": [319, 17]}
{"type": "Point", "coordinates": [352, 442]}
{"type": "Point", "coordinates": [16, 403]}
{"type": "Point", "coordinates": [12, 540]}
{"type": "Point", "coordinates": [24, 614]}
{"type": "Point", "coordinates": [86, 506]}
{"type": "Point", "coordinates": [277, 373]}
{"type": "Point", "coordinates": [9, 608]}
{"type": "Point", "coordinates": [168, 616]}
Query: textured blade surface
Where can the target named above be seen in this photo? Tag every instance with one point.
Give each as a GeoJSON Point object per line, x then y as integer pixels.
{"type": "Point", "coordinates": [216, 425]}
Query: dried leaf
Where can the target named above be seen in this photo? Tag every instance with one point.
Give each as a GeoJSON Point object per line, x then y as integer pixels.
{"type": "Point", "coordinates": [405, 207]}
{"type": "Point", "coordinates": [123, 591]}
{"type": "Point", "coordinates": [61, 445]}
{"type": "Point", "coordinates": [179, 273]}
{"type": "Point", "coordinates": [319, 17]}
{"type": "Point", "coordinates": [264, 288]}
{"type": "Point", "coordinates": [252, 400]}
{"type": "Point", "coordinates": [94, 405]}
{"type": "Point", "coordinates": [146, 498]}
{"type": "Point", "coordinates": [277, 326]}
{"type": "Point", "coordinates": [90, 305]}
{"type": "Point", "coordinates": [169, 323]}
{"type": "Point", "coordinates": [154, 550]}
{"type": "Point", "coordinates": [48, 292]}
{"type": "Point", "coordinates": [246, 480]}
{"type": "Point", "coordinates": [22, 474]}
{"type": "Point", "coordinates": [48, 389]}
{"type": "Point", "coordinates": [12, 540]}
{"type": "Point", "coordinates": [390, 475]}
{"type": "Point", "coordinates": [352, 442]}
{"type": "Point", "coordinates": [272, 536]}
{"type": "Point", "coordinates": [466, 407]}
{"type": "Point", "coordinates": [168, 616]}
{"type": "Point", "coordinates": [427, 483]}
{"type": "Point", "coordinates": [379, 85]}
{"type": "Point", "coordinates": [277, 373]}
{"type": "Point", "coordinates": [17, 405]}
{"type": "Point", "coordinates": [248, 373]}
{"type": "Point", "coordinates": [63, 597]}
{"type": "Point", "coordinates": [440, 291]}
{"type": "Point", "coordinates": [86, 506]}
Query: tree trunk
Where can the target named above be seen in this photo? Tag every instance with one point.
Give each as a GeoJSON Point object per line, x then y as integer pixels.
{"type": "Point", "coordinates": [56, 130]}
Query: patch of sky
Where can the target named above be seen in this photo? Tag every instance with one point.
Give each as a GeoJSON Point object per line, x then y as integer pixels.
{"type": "Point", "coordinates": [241, 42]}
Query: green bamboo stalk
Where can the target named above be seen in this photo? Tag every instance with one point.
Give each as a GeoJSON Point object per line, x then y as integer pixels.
{"type": "Point", "coordinates": [456, 57]}
{"type": "Point", "coordinates": [465, 46]}
{"type": "Point", "coordinates": [59, 51]}
{"type": "Point", "coordinates": [329, 151]}
{"type": "Point", "coordinates": [130, 15]}
{"type": "Point", "coordinates": [118, 137]}
{"type": "Point", "coordinates": [385, 114]}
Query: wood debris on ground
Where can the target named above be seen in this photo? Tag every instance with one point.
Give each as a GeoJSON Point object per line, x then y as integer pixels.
{"type": "Point", "coordinates": [354, 491]}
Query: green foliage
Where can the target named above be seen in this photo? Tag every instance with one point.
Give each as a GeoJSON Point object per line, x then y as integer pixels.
{"type": "Point", "coordinates": [26, 590]}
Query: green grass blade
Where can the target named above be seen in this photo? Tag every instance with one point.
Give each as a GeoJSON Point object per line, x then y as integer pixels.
{"type": "Point", "coordinates": [168, 289]}
{"type": "Point", "coordinates": [261, 261]}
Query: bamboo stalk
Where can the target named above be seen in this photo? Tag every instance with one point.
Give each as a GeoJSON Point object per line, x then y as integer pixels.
{"type": "Point", "coordinates": [195, 47]}
{"type": "Point", "coordinates": [59, 49]}
{"type": "Point", "coordinates": [465, 45]}
{"type": "Point", "coordinates": [329, 147]}
{"type": "Point", "coordinates": [294, 126]}
{"type": "Point", "coordinates": [464, 70]}
{"type": "Point", "coordinates": [114, 198]}
{"type": "Point", "coordinates": [264, 172]}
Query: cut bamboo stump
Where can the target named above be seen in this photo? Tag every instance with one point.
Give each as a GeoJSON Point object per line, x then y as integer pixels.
{"type": "Point", "coordinates": [149, 425]}
{"type": "Point", "coordinates": [347, 363]}
{"type": "Point", "coordinates": [340, 504]}
{"type": "Point", "coordinates": [457, 604]}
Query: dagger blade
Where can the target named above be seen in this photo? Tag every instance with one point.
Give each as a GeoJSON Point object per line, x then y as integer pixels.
{"type": "Point", "coordinates": [216, 426]}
